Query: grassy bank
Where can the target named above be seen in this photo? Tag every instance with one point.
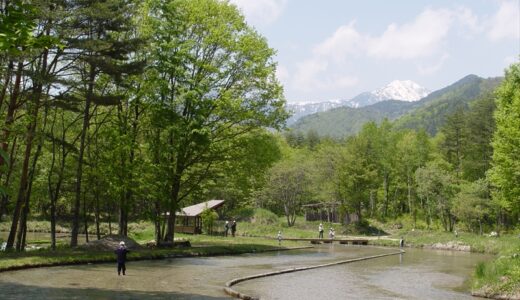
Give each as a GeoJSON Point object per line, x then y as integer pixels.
{"type": "Point", "coordinates": [201, 246]}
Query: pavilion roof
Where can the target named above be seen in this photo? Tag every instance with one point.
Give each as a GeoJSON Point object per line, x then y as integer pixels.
{"type": "Point", "coordinates": [197, 209]}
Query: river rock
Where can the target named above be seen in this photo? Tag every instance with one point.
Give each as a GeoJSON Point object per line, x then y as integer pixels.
{"type": "Point", "coordinates": [111, 242]}
{"type": "Point", "coordinates": [451, 245]}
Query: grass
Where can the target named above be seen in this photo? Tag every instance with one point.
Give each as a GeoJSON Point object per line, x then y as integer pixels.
{"type": "Point", "coordinates": [201, 246]}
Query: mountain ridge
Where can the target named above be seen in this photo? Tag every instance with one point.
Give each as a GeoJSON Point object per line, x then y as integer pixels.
{"type": "Point", "coordinates": [428, 112]}
{"type": "Point", "coordinates": [403, 90]}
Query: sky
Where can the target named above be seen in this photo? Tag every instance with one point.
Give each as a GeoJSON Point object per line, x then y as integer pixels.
{"type": "Point", "coordinates": [336, 49]}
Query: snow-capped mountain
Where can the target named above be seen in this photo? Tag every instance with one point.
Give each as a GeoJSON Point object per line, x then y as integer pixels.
{"type": "Point", "coordinates": [299, 110]}
{"type": "Point", "coordinates": [403, 90]}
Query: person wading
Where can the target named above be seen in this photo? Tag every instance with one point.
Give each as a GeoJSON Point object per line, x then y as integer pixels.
{"type": "Point", "coordinates": [121, 252]}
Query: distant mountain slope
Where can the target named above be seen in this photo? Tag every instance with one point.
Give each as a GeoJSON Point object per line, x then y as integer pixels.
{"type": "Point", "coordinates": [405, 90]}
{"type": "Point", "coordinates": [428, 113]}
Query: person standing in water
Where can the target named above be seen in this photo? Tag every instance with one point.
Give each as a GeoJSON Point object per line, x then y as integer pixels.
{"type": "Point", "coordinates": [121, 252]}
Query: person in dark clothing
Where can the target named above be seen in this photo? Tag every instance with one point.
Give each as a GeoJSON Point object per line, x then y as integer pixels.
{"type": "Point", "coordinates": [233, 228]}
{"type": "Point", "coordinates": [226, 229]}
{"type": "Point", "coordinates": [121, 252]}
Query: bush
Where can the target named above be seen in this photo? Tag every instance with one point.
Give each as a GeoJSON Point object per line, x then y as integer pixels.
{"type": "Point", "coordinates": [264, 217]}
{"type": "Point", "coordinates": [243, 213]}
{"type": "Point", "coordinates": [209, 217]}
{"type": "Point", "coordinates": [362, 227]}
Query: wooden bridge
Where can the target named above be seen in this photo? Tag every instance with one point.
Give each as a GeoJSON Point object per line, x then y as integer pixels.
{"type": "Point", "coordinates": [329, 241]}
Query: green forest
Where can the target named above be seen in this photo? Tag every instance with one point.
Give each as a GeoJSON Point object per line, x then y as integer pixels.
{"type": "Point", "coordinates": [120, 111]}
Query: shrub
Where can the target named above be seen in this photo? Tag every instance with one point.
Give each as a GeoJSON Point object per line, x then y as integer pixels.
{"type": "Point", "coordinates": [243, 213]}
{"type": "Point", "coordinates": [209, 217]}
{"type": "Point", "coordinates": [264, 217]}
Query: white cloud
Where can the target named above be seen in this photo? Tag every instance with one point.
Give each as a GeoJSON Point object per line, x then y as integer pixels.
{"type": "Point", "coordinates": [345, 40]}
{"type": "Point", "coordinates": [505, 22]}
{"type": "Point", "coordinates": [510, 60]}
{"type": "Point", "coordinates": [307, 73]}
{"type": "Point", "coordinates": [420, 38]}
{"type": "Point", "coordinates": [433, 68]}
{"type": "Point", "coordinates": [468, 20]}
{"type": "Point", "coordinates": [261, 11]}
{"type": "Point", "coordinates": [282, 73]}
{"type": "Point", "coordinates": [422, 41]}
{"type": "Point", "coordinates": [314, 74]}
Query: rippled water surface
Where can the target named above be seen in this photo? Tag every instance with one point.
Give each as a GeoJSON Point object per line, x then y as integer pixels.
{"type": "Point", "coordinates": [418, 274]}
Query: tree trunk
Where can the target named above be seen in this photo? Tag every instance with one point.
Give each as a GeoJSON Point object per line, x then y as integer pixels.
{"type": "Point", "coordinates": [85, 216]}
{"type": "Point", "coordinates": [409, 187]}
{"type": "Point", "coordinates": [9, 118]}
{"type": "Point", "coordinates": [4, 201]}
{"type": "Point", "coordinates": [79, 170]}
{"type": "Point", "coordinates": [96, 214]}
{"type": "Point", "coordinates": [7, 80]}
{"type": "Point", "coordinates": [174, 198]}
{"type": "Point", "coordinates": [386, 185]}
{"type": "Point", "coordinates": [157, 222]}
{"type": "Point", "coordinates": [23, 196]}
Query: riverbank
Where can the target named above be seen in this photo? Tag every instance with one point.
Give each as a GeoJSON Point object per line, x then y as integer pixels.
{"type": "Point", "coordinates": [495, 279]}
{"type": "Point", "coordinates": [201, 246]}
{"type": "Point", "coordinates": [498, 279]}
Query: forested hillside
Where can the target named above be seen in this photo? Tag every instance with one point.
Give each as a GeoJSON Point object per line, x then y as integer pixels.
{"type": "Point", "coordinates": [463, 177]}
{"type": "Point", "coordinates": [428, 113]}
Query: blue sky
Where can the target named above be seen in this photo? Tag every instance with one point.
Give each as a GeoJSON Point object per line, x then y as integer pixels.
{"type": "Point", "coordinates": [336, 49]}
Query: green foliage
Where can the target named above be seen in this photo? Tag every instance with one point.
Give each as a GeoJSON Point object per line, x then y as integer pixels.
{"type": "Point", "coordinates": [209, 217]}
{"type": "Point", "coordinates": [243, 213]}
{"type": "Point", "coordinates": [288, 186]}
{"type": "Point", "coordinates": [435, 186]}
{"type": "Point", "coordinates": [428, 114]}
{"type": "Point", "coordinates": [472, 204]}
{"type": "Point", "coordinates": [505, 171]}
{"type": "Point", "coordinates": [264, 217]}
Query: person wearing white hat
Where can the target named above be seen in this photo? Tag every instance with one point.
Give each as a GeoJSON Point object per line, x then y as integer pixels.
{"type": "Point", "coordinates": [121, 252]}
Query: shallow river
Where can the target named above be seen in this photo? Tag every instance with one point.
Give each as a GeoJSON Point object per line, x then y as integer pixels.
{"type": "Point", "coordinates": [418, 274]}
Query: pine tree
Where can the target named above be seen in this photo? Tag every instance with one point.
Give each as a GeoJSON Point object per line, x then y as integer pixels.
{"type": "Point", "coordinates": [101, 46]}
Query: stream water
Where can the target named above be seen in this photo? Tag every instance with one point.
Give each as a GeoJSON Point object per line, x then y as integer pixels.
{"type": "Point", "coordinates": [418, 274]}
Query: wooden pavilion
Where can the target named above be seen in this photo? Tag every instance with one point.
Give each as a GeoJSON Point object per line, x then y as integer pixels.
{"type": "Point", "coordinates": [323, 211]}
{"type": "Point", "coordinates": [189, 219]}
{"type": "Point", "coordinates": [327, 212]}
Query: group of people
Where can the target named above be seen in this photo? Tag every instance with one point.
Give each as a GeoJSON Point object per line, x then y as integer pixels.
{"type": "Point", "coordinates": [320, 232]}
{"type": "Point", "coordinates": [232, 226]}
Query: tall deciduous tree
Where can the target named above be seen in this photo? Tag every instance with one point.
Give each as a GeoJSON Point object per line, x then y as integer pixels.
{"type": "Point", "coordinates": [435, 186]}
{"type": "Point", "coordinates": [288, 185]}
{"type": "Point", "coordinates": [215, 81]}
{"type": "Point", "coordinates": [356, 175]}
{"type": "Point", "coordinates": [505, 171]}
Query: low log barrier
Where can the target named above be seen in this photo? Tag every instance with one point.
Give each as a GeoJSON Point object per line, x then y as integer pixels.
{"type": "Point", "coordinates": [230, 291]}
